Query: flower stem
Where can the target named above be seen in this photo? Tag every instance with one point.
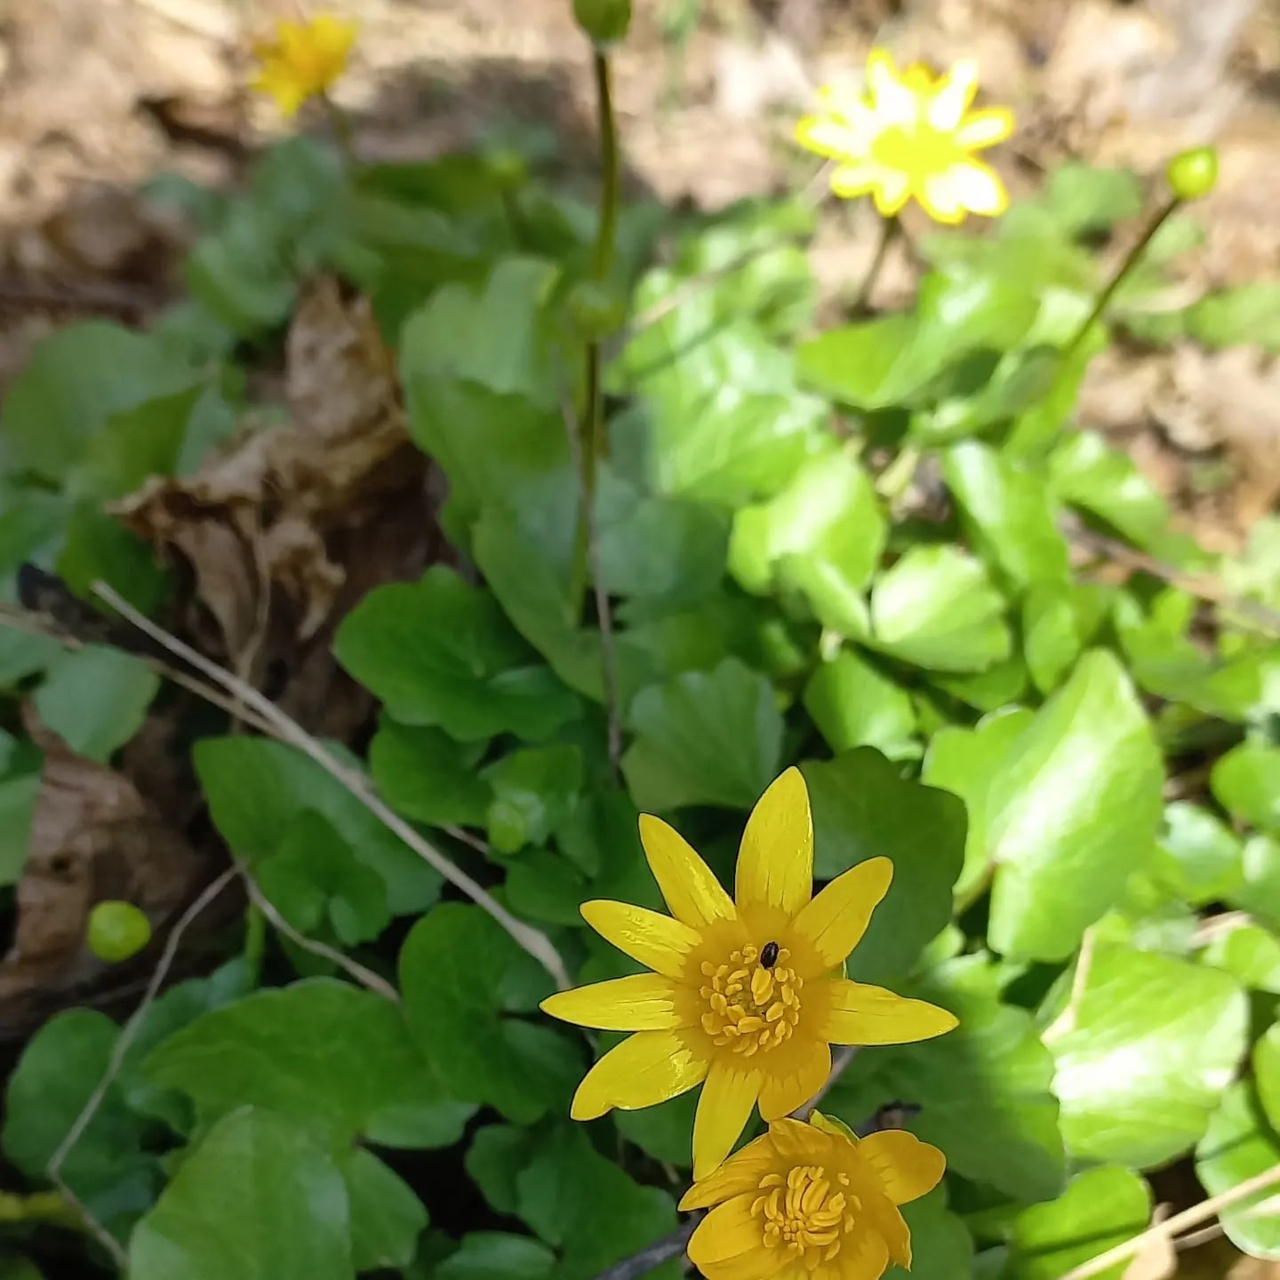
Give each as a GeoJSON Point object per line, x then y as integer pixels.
{"type": "Point", "coordinates": [594, 440]}
{"type": "Point", "coordinates": [889, 231]}
{"type": "Point", "coordinates": [343, 133]}
{"type": "Point", "coordinates": [1131, 260]}
{"type": "Point", "coordinates": [255, 944]}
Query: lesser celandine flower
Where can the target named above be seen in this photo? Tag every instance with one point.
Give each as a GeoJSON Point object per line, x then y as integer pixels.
{"type": "Point", "coordinates": [911, 135]}
{"type": "Point", "coordinates": [811, 1202]}
{"type": "Point", "coordinates": [746, 995]}
{"type": "Point", "coordinates": [303, 59]}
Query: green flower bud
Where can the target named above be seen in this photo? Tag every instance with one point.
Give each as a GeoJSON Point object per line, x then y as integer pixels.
{"type": "Point", "coordinates": [605, 21]}
{"type": "Point", "coordinates": [597, 309]}
{"type": "Point", "coordinates": [507, 166]}
{"type": "Point", "coordinates": [117, 931]}
{"type": "Point", "coordinates": [1193, 174]}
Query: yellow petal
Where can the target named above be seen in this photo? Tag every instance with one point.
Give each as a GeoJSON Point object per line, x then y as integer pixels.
{"type": "Point", "coordinates": [892, 190]}
{"type": "Point", "coordinates": [941, 199]}
{"type": "Point", "coordinates": [795, 1141]}
{"type": "Point", "coordinates": [891, 98]}
{"type": "Point", "coordinates": [793, 1076]}
{"type": "Point", "coordinates": [984, 128]}
{"type": "Point", "coordinates": [729, 1244]}
{"type": "Point", "coordinates": [834, 922]}
{"type": "Point", "coordinates": [906, 1167]}
{"type": "Point", "coordinates": [740, 1173]}
{"type": "Point", "coordinates": [643, 1070]}
{"type": "Point", "coordinates": [863, 1256]}
{"type": "Point", "coordinates": [658, 942]}
{"type": "Point", "coordinates": [859, 1014]}
{"type": "Point", "coordinates": [642, 1002]}
{"type": "Point", "coordinates": [978, 188]}
{"type": "Point", "coordinates": [691, 891]}
{"type": "Point", "coordinates": [332, 37]}
{"type": "Point", "coordinates": [825, 137]}
{"type": "Point", "coordinates": [953, 95]}
{"type": "Point", "coordinates": [723, 1111]}
{"type": "Point", "coordinates": [775, 859]}
{"type": "Point", "coordinates": [854, 179]}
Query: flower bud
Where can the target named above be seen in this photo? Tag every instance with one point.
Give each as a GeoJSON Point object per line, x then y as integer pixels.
{"type": "Point", "coordinates": [117, 931]}
{"type": "Point", "coordinates": [597, 309]}
{"type": "Point", "coordinates": [605, 21]}
{"type": "Point", "coordinates": [1193, 174]}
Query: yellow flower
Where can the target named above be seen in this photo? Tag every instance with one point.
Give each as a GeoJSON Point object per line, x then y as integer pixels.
{"type": "Point", "coordinates": [747, 996]}
{"type": "Point", "coordinates": [811, 1202]}
{"type": "Point", "coordinates": [911, 134]}
{"type": "Point", "coordinates": [303, 59]}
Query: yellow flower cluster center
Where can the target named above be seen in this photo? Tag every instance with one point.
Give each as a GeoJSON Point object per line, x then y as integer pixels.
{"type": "Point", "coordinates": [806, 1213]}
{"type": "Point", "coordinates": [750, 1006]}
{"type": "Point", "coordinates": [920, 150]}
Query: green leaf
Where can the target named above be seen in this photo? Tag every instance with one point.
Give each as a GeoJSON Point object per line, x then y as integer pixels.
{"type": "Point", "coordinates": [1240, 1144]}
{"type": "Point", "coordinates": [534, 791]}
{"type": "Point", "coordinates": [855, 705]}
{"type": "Point", "coordinates": [17, 813]}
{"type": "Point", "coordinates": [941, 1246]}
{"type": "Point", "coordinates": [1085, 200]}
{"type": "Point", "coordinates": [1247, 315]}
{"type": "Point", "coordinates": [386, 1215]}
{"type": "Point", "coordinates": [96, 699]}
{"type": "Point", "coordinates": [99, 548]}
{"type": "Point", "coordinates": [586, 1206]}
{"type": "Point", "coordinates": [61, 1067]}
{"type": "Point", "coordinates": [496, 1154]}
{"type": "Point", "coordinates": [1198, 857]}
{"type": "Point", "coordinates": [76, 381]}
{"type": "Point", "coordinates": [315, 876]}
{"type": "Point", "coordinates": [826, 524]}
{"type": "Point", "coordinates": [256, 789]}
{"type": "Point", "coordinates": [964, 762]}
{"type": "Point", "coordinates": [1143, 1053]}
{"type": "Point", "coordinates": [1086, 472]}
{"type": "Point", "coordinates": [936, 608]}
{"type": "Point", "coordinates": [1051, 636]}
{"type": "Point", "coordinates": [1008, 513]}
{"type": "Point", "coordinates": [496, 1255]}
{"type": "Point", "coordinates": [983, 1089]}
{"type": "Point", "coordinates": [704, 738]}
{"type": "Point", "coordinates": [864, 808]}
{"type": "Point", "coordinates": [1246, 782]}
{"type": "Point", "coordinates": [1072, 810]}
{"type": "Point", "coordinates": [258, 1199]}
{"type": "Point", "coordinates": [662, 1132]}
{"type": "Point", "coordinates": [440, 652]}
{"type": "Point", "coordinates": [427, 776]}
{"type": "Point", "coordinates": [1260, 892]}
{"type": "Point", "coordinates": [1250, 954]}
{"type": "Point", "coordinates": [459, 971]}
{"type": "Point", "coordinates": [320, 1052]}
{"type": "Point", "coordinates": [1266, 1072]}
{"type": "Point", "coordinates": [1100, 1208]}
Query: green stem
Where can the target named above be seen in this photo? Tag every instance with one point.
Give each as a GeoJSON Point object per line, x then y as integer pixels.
{"type": "Point", "coordinates": [255, 944]}
{"type": "Point", "coordinates": [39, 1206]}
{"type": "Point", "coordinates": [1122, 274]}
{"type": "Point", "coordinates": [343, 133]}
{"type": "Point", "coordinates": [889, 229]}
{"type": "Point", "coordinates": [595, 444]}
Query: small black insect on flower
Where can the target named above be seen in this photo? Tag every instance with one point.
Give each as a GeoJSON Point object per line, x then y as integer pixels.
{"type": "Point", "coordinates": [769, 955]}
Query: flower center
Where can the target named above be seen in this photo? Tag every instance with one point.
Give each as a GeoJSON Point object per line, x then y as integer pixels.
{"type": "Point", "coordinates": [921, 150]}
{"type": "Point", "coordinates": [751, 1005]}
{"type": "Point", "coordinates": [806, 1213]}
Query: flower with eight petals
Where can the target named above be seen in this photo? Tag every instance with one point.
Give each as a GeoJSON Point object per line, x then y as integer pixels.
{"type": "Point", "coordinates": [911, 135]}
{"type": "Point", "coordinates": [811, 1202]}
{"type": "Point", "coordinates": [747, 994]}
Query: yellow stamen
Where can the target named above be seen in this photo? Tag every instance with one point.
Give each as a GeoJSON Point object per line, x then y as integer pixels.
{"type": "Point", "coordinates": [802, 1214]}
{"type": "Point", "coordinates": [749, 1007]}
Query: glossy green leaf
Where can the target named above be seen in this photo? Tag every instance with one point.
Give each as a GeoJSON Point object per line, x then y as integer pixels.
{"type": "Point", "coordinates": [704, 738]}
{"type": "Point", "coordinates": [461, 972]}
{"type": "Point", "coordinates": [17, 813]}
{"type": "Point", "coordinates": [256, 789]}
{"type": "Point", "coordinates": [1249, 953]}
{"type": "Point", "coordinates": [1050, 635]}
{"type": "Point", "coordinates": [439, 652]}
{"type": "Point", "coordinates": [427, 776]}
{"type": "Point", "coordinates": [864, 808]}
{"type": "Point", "coordinates": [1086, 472]}
{"type": "Point", "coordinates": [321, 1052]}
{"type": "Point", "coordinates": [1073, 809]}
{"type": "Point", "coordinates": [826, 523]}
{"type": "Point", "coordinates": [386, 1215]}
{"type": "Point", "coordinates": [259, 1198]}
{"type": "Point", "coordinates": [96, 699]}
{"type": "Point", "coordinates": [1240, 1144]}
{"type": "Point", "coordinates": [660, 548]}
{"type": "Point", "coordinates": [1008, 512]}
{"type": "Point", "coordinates": [586, 1206]}
{"type": "Point", "coordinates": [936, 608]}
{"type": "Point", "coordinates": [1247, 315]}
{"type": "Point", "coordinates": [1246, 782]}
{"type": "Point", "coordinates": [855, 705]}
{"type": "Point", "coordinates": [534, 791]}
{"type": "Point", "coordinates": [497, 1153]}
{"type": "Point", "coordinates": [1260, 891]}
{"type": "Point", "coordinates": [941, 1246]}
{"type": "Point", "coordinates": [1100, 1208]}
{"type": "Point", "coordinates": [1084, 199]}
{"type": "Point", "coordinates": [496, 1255]}
{"type": "Point", "coordinates": [1198, 856]}
{"type": "Point", "coordinates": [1143, 1054]}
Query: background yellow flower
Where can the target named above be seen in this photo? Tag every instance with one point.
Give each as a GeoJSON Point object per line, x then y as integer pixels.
{"type": "Point", "coordinates": [811, 1200]}
{"type": "Point", "coordinates": [911, 135]}
{"type": "Point", "coordinates": [303, 59]}
{"type": "Point", "coordinates": [747, 994]}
